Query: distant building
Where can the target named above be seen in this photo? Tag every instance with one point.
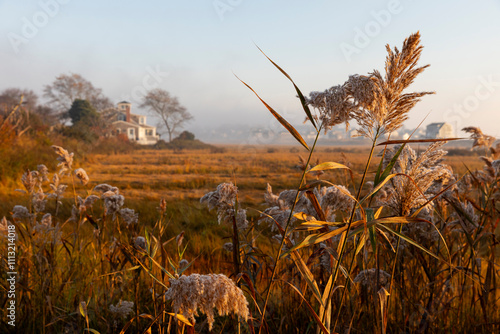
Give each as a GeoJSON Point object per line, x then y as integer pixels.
{"type": "Point", "coordinates": [132, 125]}
{"type": "Point", "coordinates": [439, 130]}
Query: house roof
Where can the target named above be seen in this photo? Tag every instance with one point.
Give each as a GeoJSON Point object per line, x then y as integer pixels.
{"type": "Point", "coordinates": [134, 124]}
{"type": "Point", "coordinates": [437, 125]}
{"type": "Point", "coordinates": [124, 102]}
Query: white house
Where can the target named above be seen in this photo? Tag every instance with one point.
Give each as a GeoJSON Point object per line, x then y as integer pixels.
{"type": "Point", "coordinates": [132, 125]}
{"type": "Point", "coordinates": [439, 130]}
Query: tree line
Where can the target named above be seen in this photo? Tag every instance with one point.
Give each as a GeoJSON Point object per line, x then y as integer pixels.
{"type": "Point", "coordinates": [76, 108]}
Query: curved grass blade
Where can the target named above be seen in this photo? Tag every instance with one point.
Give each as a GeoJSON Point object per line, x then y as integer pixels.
{"type": "Point", "coordinates": [316, 225]}
{"type": "Point", "coordinates": [280, 119]}
{"type": "Point", "coordinates": [386, 220]}
{"type": "Point", "coordinates": [380, 177]}
{"type": "Point", "coordinates": [318, 237]}
{"type": "Point", "coordinates": [327, 166]}
{"type": "Point", "coordinates": [299, 93]}
{"type": "Point", "coordinates": [410, 241]}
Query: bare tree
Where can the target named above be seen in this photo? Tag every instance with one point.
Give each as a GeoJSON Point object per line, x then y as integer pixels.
{"type": "Point", "coordinates": [68, 87]}
{"type": "Point", "coordinates": [168, 108]}
{"type": "Point", "coordinates": [28, 113]}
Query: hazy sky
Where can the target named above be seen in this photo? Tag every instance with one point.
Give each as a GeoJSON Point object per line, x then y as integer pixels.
{"type": "Point", "coordinates": [191, 48]}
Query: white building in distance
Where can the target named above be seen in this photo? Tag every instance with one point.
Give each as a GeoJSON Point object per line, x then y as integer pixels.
{"type": "Point", "coordinates": [439, 130]}
{"type": "Point", "coordinates": [132, 125]}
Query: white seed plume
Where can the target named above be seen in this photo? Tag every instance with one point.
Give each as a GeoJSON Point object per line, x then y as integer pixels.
{"type": "Point", "coordinates": [65, 159]}
{"type": "Point", "coordinates": [81, 174]}
{"type": "Point", "coordinates": [104, 188]}
{"type": "Point", "coordinates": [30, 180]}
{"type": "Point", "coordinates": [129, 216]}
{"type": "Point", "coordinates": [43, 173]}
{"type": "Point", "coordinates": [45, 232]}
{"type": "Point", "coordinates": [122, 309]}
{"type": "Point", "coordinates": [205, 293]}
{"type": "Point", "coordinates": [368, 279]}
{"type": "Point", "coordinates": [140, 243]}
{"type": "Point", "coordinates": [20, 212]}
{"type": "Point", "coordinates": [228, 247]}
{"type": "Point", "coordinates": [57, 188]}
{"type": "Point", "coordinates": [113, 204]}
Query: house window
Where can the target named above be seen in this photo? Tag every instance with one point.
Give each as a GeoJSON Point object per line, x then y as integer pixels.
{"type": "Point", "coordinates": [149, 132]}
{"type": "Point", "coordinates": [131, 132]}
{"type": "Point", "coordinates": [122, 117]}
{"type": "Point", "coordinates": [123, 106]}
{"type": "Point", "coordinates": [141, 120]}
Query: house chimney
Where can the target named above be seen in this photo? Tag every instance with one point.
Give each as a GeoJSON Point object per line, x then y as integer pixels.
{"type": "Point", "coordinates": [127, 111]}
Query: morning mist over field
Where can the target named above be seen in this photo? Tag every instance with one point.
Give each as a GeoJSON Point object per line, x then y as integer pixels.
{"type": "Point", "coordinates": [193, 49]}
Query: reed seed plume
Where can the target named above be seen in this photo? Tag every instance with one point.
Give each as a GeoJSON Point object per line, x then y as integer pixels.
{"type": "Point", "coordinates": [140, 243]}
{"type": "Point", "coordinates": [480, 139]}
{"type": "Point", "coordinates": [223, 199]}
{"type": "Point", "coordinates": [368, 279]}
{"type": "Point", "coordinates": [129, 216]}
{"type": "Point", "coordinates": [43, 173]}
{"type": "Point", "coordinates": [104, 188]}
{"type": "Point", "coordinates": [205, 293]}
{"type": "Point", "coordinates": [122, 309]}
{"type": "Point", "coordinates": [386, 107]}
{"type": "Point", "coordinates": [20, 212]}
{"type": "Point", "coordinates": [334, 106]}
{"type": "Point", "coordinates": [29, 180]}
{"type": "Point", "coordinates": [58, 189]}
{"type": "Point", "coordinates": [408, 193]}
{"type": "Point", "coordinates": [65, 159]}
{"type": "Point", "coordinates": [81, 174]}
{"type": "Point", "coordinates": [377, 102]}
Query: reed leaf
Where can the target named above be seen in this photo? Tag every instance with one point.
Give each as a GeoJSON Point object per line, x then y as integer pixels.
{"type": "Point", "coordinates": [280, 119]}
{"type": "Point", "coordinates": [299, 93]}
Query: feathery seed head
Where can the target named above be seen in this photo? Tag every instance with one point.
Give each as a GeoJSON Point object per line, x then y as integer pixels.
{"type": "Point", "coordinates": [140, 243]}
{"type": "Point", "coordinates": [113, 203]}
{"type": "Point", "coordinates": [81, 174]}
{"type": "Point", "coordinates": [20, 212]}
{"type": "Point", "coordinates": [368, 279]}
{"type": "Point", "coordinates": [105, 188]}
{"type": "Point", "coordinates": [480, 139]}
{"type": "Point", "coordinates": [43, 173]}
{"type": "Point", "coordinates": [122, 309]}
{"type": "Point", "coordinates": [29, 180]}
{"type": "Point", "coordinates": [205, 293]}
{"type": "Point", "coordinates": [65, 159]}
{"type": "Point", "coordinates": [129, 216]}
